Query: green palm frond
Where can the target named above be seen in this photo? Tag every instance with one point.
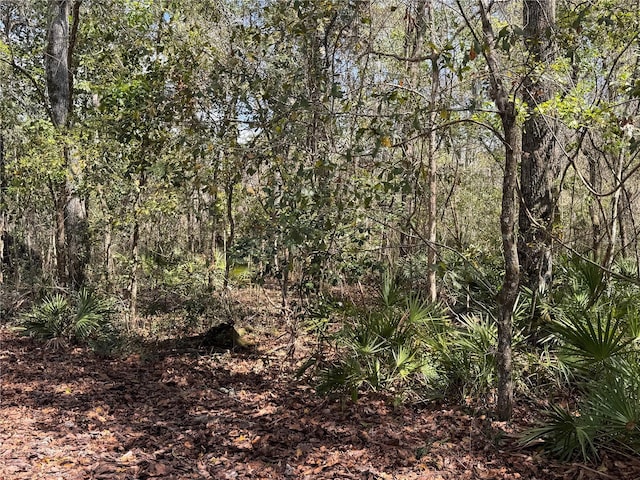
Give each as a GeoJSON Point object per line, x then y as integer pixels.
{"type": "Point", "coordinates": [423, 314]}
{"type": "Point", "coordinates": [48, 320]}
{"type": "Point", "coordinates": [615, 401]}
{"type": "Point", "coordinates": [406, 361]}
{"type": "Point", "coordinates": [565, 435]}
{"type": "Point", "coordinates": [390, 292]}
{"type": "Point", "coordinates": [61, 320]}
{"type": "Point", "coordinates": [590, 276]}
{"type": "Point", "coordinates": [368, 343]}
{"type": "Point", "coordinates": [593, 339]}
{"type": "Point", "coordinates": [90, 316]}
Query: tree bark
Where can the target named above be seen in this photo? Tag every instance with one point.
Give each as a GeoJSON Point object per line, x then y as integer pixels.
{"type": "Point", "coordinates": [231, 233]}
{"type": "Point", "coordinates": [72, 242]}
{"type": "Point", "coordinates": [133, 279]}
{"type": "Point", "coordinates": [432, 210]}
{"type": "Point", "coordinates": [540, 161]}
{"type": "Point", "coordinates": [3, 208]}
{"type": "Point", "coordinates": [59, 194]}
{"type": "Point", "coordinates": [57, 73]}
{"type": "Point", "coordinates": [505, 104]}
{"type": "Point", "coordinates": [615, 212]}
{"type": "Point", "coordinates": [135, 251]}
{"type": "Point", "coordinates": [76, 229]}
{"type": "Point", "coordinates": [56, 62]}
{"type": "Point", "coordinates": [510, 286]}
{"type": "Point", "coordinates": [420, 18]}
{"type": "Point", "coordinates": [595, 180]}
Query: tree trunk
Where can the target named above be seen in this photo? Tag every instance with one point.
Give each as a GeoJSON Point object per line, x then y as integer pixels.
{"type": "Point", "coordinates": [133, 279]}
{"type": "Point", "coordinates": [57, 72]}
{"type": "Point", "coordinates": [59, 193]}
{"type": "Point", "coordinates": [108, 265]}
{"type": "Point", "coordinates": [625, 207]}
{"type": "Point", "coordinates": [76, 229]}
{"type": "Point", "coordinates": [540, 161]}
{"type": "Point", "coordinates": [508, 218]}
{"type": "Point", "coordinates": [135, 253]}
{"type": "Point", "coordinates": [509, 291]}
{"type": "Point", "coordinates": [419, 18]}
{"type": "Point", "coordinates": [615, 212]}
{"type": "Point", "coordinates": [231, 234]}
{"type": "Point", "coordinates": [431, 180]}
{"type": "Point", "coordinates": [3, 208]}
{"type": "Point", "coordinates": [109, 270]}
{"type": "Point", "coordinates": [72, 241]}
{"type": "Point", "coordinates": [56, 62]}
{"type": "Point", "coordinates": [595, 180]}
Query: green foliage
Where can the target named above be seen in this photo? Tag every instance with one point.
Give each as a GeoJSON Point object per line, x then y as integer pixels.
{"type": "Point", "coordinates": [60, 321]}
{"type": "Point", "coordinates": [390, 292]}
{"type": "Point", "coordinates": [186, 274]}
{"type": "Point", "coordinates": [301, 116]}
{"type": "Point", "coordinates": [565, 434]}
{"type": "Point", "coordinates": [49, 320]}
{"type": "Point", "coordinates": [382, 350]}
{"type": "Point", "coordinates": [471, 280]}
{"type": "Point", "coordinates": [592, 342]}
{"type": "Point", "coordinates": [609, 414]}
{"type": "Point", "coordinates": [615, 402]}
{"type": "Point", "coordinates": [407, 345]}
{"type": "Point", "coordinates": [594, 332]}
{"type": "Point", "coordinates": [463, 353]}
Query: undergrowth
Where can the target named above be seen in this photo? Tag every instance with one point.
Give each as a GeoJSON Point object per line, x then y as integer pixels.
{"type": "Point", "coordinates": [81, 318]}
{"type": "Point", "coordinates": [582, 343]}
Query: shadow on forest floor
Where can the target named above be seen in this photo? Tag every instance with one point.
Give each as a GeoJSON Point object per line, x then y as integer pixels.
{"type": "Point", "coordinates": [74, 415]}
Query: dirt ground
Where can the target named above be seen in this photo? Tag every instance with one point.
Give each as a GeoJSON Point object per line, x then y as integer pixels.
{"type": "Point", "coordinates": [70, 414]}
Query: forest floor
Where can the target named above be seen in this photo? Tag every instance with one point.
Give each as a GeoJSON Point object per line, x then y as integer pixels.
{"type": "Point", "coordinates": [71, 414]}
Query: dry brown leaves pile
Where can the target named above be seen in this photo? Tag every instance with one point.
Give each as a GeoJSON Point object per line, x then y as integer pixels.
{"type": "Point", "coordinates": [72, 415]}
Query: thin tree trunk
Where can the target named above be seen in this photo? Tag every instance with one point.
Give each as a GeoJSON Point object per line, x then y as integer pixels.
{"type": "Point", "coordinates": [432, 179]}
{"type": "Point", "coordinates": [135, 254]}
{"type": "Point", "coordinates": [510, 285]}
{"type": "Point", "coordinates": [624, 208]}
{"type": "Point", "coordinates": [109, 273]}
{"type": "Point", "coordinates": [595, 180]}
{"type": "Point", "coordinates": [508, 218]}
{"type": "Point", "coordinates": [108, 263]}
{"type": "Point", "coordinates": [133, 281]}
{"type": "Point", "coordinates": [231, 234]}
{"type": "Point", "coordinates": [59, 193]}
{"type": "Point", "coordinates": [615, 212]}
{"type": "Point", "coordinates": [419, 18]}
{"type": "Point", "coordinates": [284, 282]}
{"type": "Point", "coordinates": [76, 228]}
{"type": "Point", "coordinates": [3, 208]}
{"type": "Point", "coordinates": [213, 211]}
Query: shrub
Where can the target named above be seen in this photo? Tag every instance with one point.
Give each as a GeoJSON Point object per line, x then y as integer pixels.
{"type": "Point", "coordinates": [60, 321]}
{"type": "Point", "coordinates": [378, 352]}
{"type": "Point", "coordinates": [405, 345]}
{"type": "Point", "coordinates": [382, 349]}
{"type": "Point", "coordinates": [608, 414]}
{"type": "Point", "coordinates": [465, 357]}
{"type": "Point", "coordinates": [594, 330]}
